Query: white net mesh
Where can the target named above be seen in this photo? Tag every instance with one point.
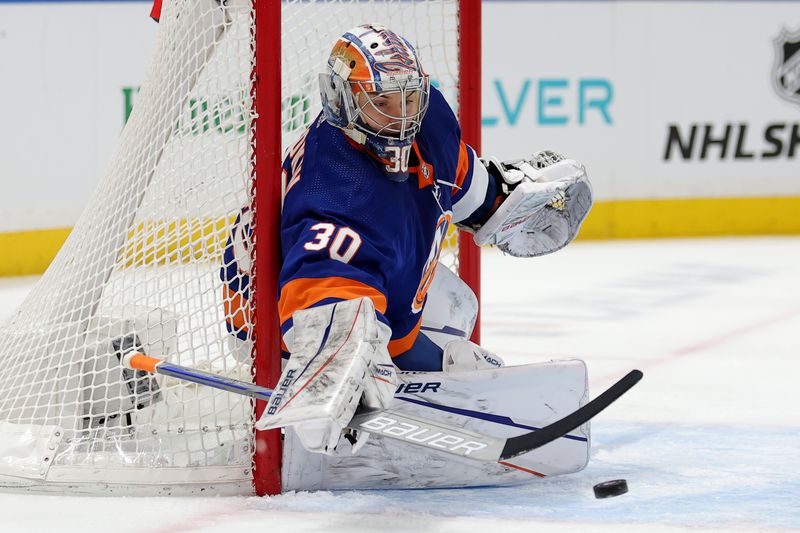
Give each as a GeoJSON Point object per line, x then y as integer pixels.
{"type": "Point", "coordinates": [141, 269]}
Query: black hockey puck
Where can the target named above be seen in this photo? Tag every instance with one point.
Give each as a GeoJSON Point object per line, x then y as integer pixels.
{"type": "Point", "coordinates": [609, 489]}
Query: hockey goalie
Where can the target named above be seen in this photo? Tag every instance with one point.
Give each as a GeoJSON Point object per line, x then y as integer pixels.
{"type": "Point", "coordinates": [370, 318]}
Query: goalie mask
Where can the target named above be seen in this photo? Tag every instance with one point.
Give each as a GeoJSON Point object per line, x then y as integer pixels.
{"type": "Point", "coordinates": [374, 89]}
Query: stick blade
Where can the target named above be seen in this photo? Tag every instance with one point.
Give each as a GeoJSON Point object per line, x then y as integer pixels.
{"type": "Point", "coordinates": [535, 439]}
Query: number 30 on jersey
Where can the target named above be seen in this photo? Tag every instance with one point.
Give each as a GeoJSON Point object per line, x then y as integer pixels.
{"type": "Point", "coordinates": [398, 157]}
{"type": "Point", "coordinates": [342, 243]}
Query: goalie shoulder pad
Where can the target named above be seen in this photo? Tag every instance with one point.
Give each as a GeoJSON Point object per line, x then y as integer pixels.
{"type": "Point", "coordinates": [543, 212]}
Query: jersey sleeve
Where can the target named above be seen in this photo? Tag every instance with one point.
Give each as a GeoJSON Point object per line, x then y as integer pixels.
{"type": "Point", "coordinates": [474, 191]}
{"type": "Point", "coordinates": [478, 194]}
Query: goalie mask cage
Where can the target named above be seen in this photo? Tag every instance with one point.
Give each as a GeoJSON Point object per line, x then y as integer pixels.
{"type": "Point", "coordinates": [197, 164]}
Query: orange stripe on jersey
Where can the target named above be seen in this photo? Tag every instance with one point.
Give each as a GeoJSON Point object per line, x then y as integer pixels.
{"type": "Point", "coordinates": [463, 166]}
{"type": "Point", "coordinates": [237, 309]}
{"type": "Point", "coordinates": [302, 293]}
{"type": "Point", "coordinates": [403, 344]}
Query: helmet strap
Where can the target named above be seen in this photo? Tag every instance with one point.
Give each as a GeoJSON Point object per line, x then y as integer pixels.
{"type": "Point", "coordinates": [341, 69]}
{"type": "Point", "coordinates": [358, 136]}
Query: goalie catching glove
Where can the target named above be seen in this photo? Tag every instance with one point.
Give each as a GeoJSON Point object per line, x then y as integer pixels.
{"type": "Point", "coordinates": [339, 361]}
{"type": "Point", "coordinates": [548, 197]}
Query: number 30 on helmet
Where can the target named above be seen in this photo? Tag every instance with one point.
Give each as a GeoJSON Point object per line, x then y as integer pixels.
{"type": "Point", "coordinates": [374, 89]}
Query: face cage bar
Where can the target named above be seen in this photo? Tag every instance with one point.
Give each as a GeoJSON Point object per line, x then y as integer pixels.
{"type": "Point", "coordinates": [408, 125]}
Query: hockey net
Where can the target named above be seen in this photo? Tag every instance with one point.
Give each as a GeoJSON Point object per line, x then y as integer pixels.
{"type": "Point", "coordinates": [141, 268]}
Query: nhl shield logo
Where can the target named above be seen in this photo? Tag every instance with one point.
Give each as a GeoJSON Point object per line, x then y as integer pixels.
{"type": "Point", "coordinates": [786, 73]}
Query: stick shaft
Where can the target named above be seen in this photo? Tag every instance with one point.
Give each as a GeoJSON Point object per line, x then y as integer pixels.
{"type": "Point", "coordinates": [145, 363]}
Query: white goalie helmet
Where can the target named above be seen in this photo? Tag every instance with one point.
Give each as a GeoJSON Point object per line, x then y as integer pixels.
{"type": "Point", "coordinates": [375, 90]}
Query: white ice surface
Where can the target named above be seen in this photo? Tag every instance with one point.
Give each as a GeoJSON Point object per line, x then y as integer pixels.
{"type": "Point", "coordinates": [709, 440]}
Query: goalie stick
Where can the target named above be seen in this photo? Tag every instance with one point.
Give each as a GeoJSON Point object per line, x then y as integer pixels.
{"type": "Point", "coordinates": [409, 428]}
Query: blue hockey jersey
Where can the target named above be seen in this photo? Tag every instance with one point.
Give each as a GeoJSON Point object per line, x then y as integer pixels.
{"type": "Point", "coordinates": [347, 231]}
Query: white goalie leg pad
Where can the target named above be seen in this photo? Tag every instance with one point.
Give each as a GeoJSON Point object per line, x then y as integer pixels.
{"type": "Point", "coordinates": [522, 398]}
{"type": "Point", "coordinates": [542, 214]}
{"type": "Point", "coordinates": [339, 360]}
{"type": "Point", "coordinates": [450, 310]}
{"type": "Point", "coordinates": [466, 356]}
